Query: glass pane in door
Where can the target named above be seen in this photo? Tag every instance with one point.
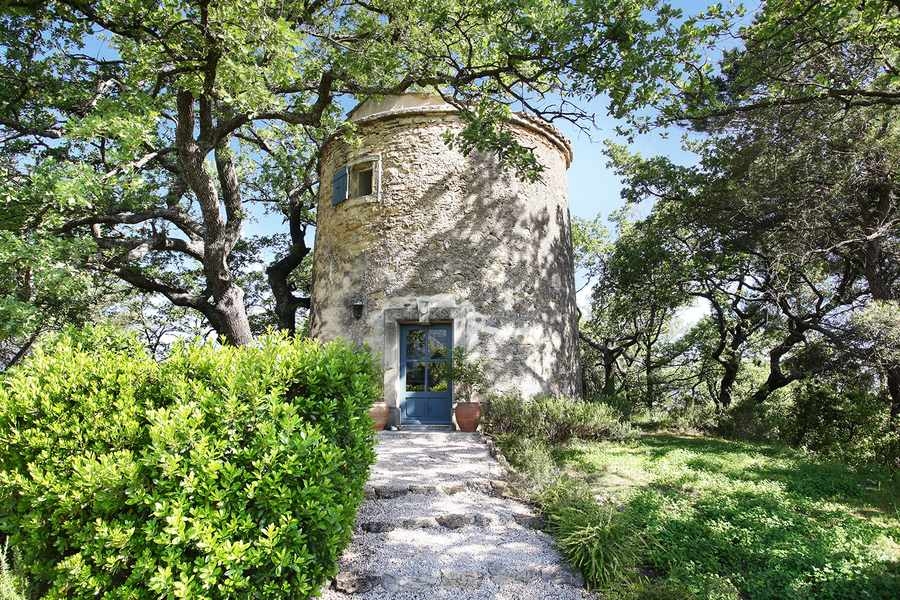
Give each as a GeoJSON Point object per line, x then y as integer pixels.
{"type": "Point", "coordinates": [438, 377]}
{"type": "Point", "coordinates": [415, 377]}
{"type": "Point", "coordinates": [416, 344]}
{"type": "Point", "coordinates": [439, 342]}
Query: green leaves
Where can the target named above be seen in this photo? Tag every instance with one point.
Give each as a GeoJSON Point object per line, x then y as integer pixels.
{"type": "Point", "coordinates": [220, 473]}
{"type": "Point", "coordinates": [796, 55]}
{"type": "Point", "coordinates": [41, 285]}
{"type": "Point", "coordinates": [486, 131]}
{"type": "Point", "coordinates": [89, 115]}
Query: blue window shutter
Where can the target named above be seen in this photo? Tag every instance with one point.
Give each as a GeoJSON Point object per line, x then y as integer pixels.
{"type": "Point", "coordinates": [339, 186]}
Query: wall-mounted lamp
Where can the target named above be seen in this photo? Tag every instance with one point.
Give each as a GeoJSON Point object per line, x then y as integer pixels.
{"type": "Point", "coordinates": [357, 307]}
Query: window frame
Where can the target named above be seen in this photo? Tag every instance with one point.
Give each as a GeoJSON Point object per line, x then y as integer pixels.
{"type": "Point", "coordinates": [358, 178]}
{"type": "Point", "coordinates": [353, 169]}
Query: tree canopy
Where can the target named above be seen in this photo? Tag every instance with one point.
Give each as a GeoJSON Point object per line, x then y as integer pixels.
{"type": "Point", "coordinates": [787, 229]}
{"type": "Point", "coordinates": [145, 134]}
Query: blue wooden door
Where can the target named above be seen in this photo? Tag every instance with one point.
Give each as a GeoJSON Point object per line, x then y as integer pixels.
{"type": "Point", "coordinates": [425, 354]}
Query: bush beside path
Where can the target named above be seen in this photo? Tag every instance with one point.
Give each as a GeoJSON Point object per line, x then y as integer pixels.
{"type": "Point", "coordinates": [221, 472]}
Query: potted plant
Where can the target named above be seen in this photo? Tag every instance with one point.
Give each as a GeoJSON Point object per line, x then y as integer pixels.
{"type": "Point", "coordinates": [380, 414]}
{"type": "Point", "coordinates": [468, 381]}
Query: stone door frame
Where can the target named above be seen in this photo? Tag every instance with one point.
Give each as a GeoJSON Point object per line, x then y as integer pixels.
{"type": "Point", "coordinates": [423, 311]}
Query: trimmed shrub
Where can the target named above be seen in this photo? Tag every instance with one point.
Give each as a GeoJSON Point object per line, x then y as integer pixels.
{"type": "Point", "coordinates": [220, 473]}
{"type": "Point", "coordinates": [553, 419]}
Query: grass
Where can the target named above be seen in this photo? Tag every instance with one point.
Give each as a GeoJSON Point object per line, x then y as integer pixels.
{"type": "Point", "coordinates": [710, 518]}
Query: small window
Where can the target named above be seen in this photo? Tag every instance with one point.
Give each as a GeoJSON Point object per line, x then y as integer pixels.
{"type": "Point", "coordinates": [364, 182]}
{"type": "Point", "coordinates": [359, 179]}
{"type": "Point", "coordinates": [362, 179]}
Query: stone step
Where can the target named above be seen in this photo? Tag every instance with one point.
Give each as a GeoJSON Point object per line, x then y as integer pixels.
{"type": "Point", "coordinates": [493, 554]}
{"type": "Point", "coordinates": [454, 511]}
{"type": "Point", "coordinates": [411, 428]}
{"type": "Point", "coordinates": [356, 583]}
{"type": "Point", "coordinates": [448, 521]}
{"type": "Point", "coordinates": [496, 487]}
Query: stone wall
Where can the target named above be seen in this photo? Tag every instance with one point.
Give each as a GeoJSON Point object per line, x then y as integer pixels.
{"type": "Point", "coordinates": [449, 237]}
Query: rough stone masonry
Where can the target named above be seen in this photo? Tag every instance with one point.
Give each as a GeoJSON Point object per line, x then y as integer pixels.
{"type": "Point", "coordinates": [445, 237]}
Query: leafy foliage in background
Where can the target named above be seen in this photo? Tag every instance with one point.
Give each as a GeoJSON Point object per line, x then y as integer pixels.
{"type": "Point", "coordinates": [786, 234]}
{"type": "Point", "coordinates": [590, 242]}
{"type": "Point", "coordinates": [153, 132]}
{"type": "Point", "coordinates": [45, 282]}
{"type": "Point", "coordinates": [837, 417]}
{"type": "Point", "coordinates": [219, 473]}
{"type": "Point", "coordinates": [787, 266]}
{"type": "Point", "coordinates": [840, 54]}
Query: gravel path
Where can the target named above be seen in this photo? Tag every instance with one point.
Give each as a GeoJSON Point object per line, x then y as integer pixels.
{"type": "Point", "coordinates": [436, 524]}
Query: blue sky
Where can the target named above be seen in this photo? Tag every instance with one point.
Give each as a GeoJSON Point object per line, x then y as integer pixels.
{"type": "Point", "coordinates": [593, 186]}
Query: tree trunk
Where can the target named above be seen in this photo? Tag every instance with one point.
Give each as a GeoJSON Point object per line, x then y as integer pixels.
{"type": "Point", "coordinates": [893, 386]}
{"type": "Point", "coordinates": [226, 311]}
{"type": "Point", "coordinates": [228, 316]}
{"type": "Point", "coordinates": [609, 379]}
{"type": "Point", "coordinates": [777, 379]}
{"type": "Point", "coordinates": [728, 379]}
{"type": "Point", "coordinates": [648, 375]}
{"type": "Point", "coordinates": [285, 305]}
{"type": "Point", "coordinates": [279, 272]}
{"type": "Point", "coordinates": [609, 355]}
{"type": "Point", "coordinates": [877, 273]}
{"type": "Point", "coordinates": [23, 351]}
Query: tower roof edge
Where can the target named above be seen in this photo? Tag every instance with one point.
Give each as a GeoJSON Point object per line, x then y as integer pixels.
{"type": "Point", "coordinates": [420, 103]}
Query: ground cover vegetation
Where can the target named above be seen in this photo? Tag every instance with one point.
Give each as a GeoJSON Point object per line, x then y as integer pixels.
{"type": "Point", "coordinates": [674, 516]}
{"type": "Point", "coordinates": [221, 472]}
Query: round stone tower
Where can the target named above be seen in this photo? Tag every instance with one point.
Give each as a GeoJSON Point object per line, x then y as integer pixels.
{"type": "Point", "coordinates": [421, 249]}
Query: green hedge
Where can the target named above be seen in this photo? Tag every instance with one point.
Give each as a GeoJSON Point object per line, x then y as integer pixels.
{"type": "Point", "coordinates": [219, 473]}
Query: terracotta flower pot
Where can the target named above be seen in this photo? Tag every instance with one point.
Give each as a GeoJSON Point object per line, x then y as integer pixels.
{"type": "Point", "coordinates": [468, 415]}
{"type": "Point", "coordinates": [380, 414]}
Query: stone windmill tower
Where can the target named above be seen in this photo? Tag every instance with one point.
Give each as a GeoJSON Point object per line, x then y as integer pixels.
{"type": "Point", "coordinates": [420, 249]}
